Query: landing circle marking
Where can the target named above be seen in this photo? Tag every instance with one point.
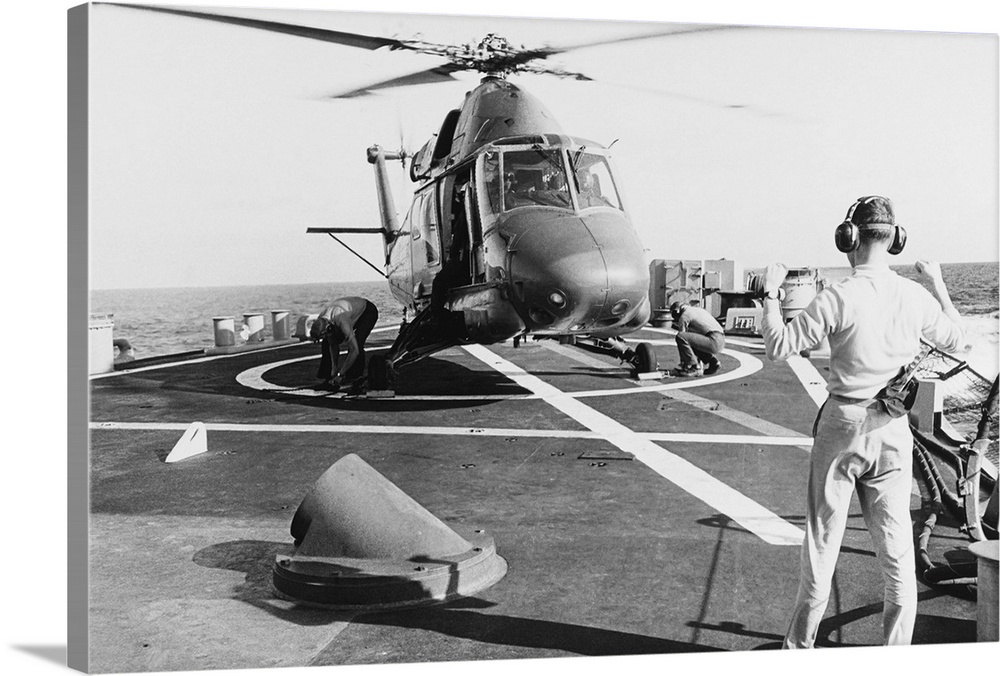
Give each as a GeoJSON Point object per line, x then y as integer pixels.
{"type": "Point", "coordinates": [748, 365]}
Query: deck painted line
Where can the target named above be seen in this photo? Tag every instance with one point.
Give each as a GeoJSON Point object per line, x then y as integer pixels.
{"type": "Point", "coordinates": [679, 437]}
{"type": "Point", "coordinates": [804, 369]}
{"type": "Point", "coordinates": [729, 340]}
{"type": "Point", "coordinates": [353, 429]}
{"type": "Point", "coordinates": [748, 365]}
{"type": "Point", "coordinates": [201, 360]}
{"type": "Point", "coordinates": [684, 395]}
{"type": "Point", "coordinates": [810, 378]}
{"type": "Point", "coordinates": [578, 355]}
{"type": "Point", "coordinates": [254, 379]}
{"type": "Point", "coordinates": [681, 393]}
{"type": "Point", "coordinates": [186, 362]}
{"type": "Point", "coordinates": [739, 417]}
{"type": "Point", "coordinates": [741, 439]}
{"type": "Point", "coordinates": [750, 515]}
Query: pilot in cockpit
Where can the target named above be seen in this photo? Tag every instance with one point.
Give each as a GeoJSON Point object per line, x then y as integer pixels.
{"type": "Point", "coordinates": [590, 190]}
{"type": "Point", "coordinates": [509, 184]}
{"type": "Point", "coordinates": [514, 191]}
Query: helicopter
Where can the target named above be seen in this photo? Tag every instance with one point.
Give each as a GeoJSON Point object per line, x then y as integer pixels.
{"type": "Point", "coordinates": [515, 229]}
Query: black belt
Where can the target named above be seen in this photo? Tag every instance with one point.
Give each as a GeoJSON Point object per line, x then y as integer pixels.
{"type": "Point", "coordinates": [853, 400]}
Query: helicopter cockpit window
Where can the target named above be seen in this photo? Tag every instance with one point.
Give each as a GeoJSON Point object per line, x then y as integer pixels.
{"type": "Point", "coordinates": [534, 177]}
{"type": "Point", "coordinates": [594, 185]}
{"type": "Point", "coordinates": [491, 179]}
{"type": "Point", "coordinates": [430, 228]}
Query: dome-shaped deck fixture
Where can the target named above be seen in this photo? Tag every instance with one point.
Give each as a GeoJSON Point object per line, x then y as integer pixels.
{"type": "Point", "coordinates": [363, 544]}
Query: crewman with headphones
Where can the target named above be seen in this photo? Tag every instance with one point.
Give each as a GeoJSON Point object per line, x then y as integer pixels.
{"type": "Point", "coordinates": [874, 321]}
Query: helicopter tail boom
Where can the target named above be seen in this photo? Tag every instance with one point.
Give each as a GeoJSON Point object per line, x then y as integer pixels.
{"type": "Point", "coordinates": [386, 205]}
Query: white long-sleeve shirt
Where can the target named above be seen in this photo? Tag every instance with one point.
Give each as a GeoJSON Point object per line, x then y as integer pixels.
{"type": "Point", "coordinates": [874, 320]}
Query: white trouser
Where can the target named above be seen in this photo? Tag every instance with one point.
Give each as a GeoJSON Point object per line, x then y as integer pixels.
{"type": "Point", "coordinates": [864, 449]}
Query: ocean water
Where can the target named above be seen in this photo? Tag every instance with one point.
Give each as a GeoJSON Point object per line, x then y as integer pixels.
{"type": "Point", "coordinates": [171, 320]}
{"type": "Point", "coordinates": [975, 291]}
{"type": "Point", "coordinates": [167, 321]}
{"type": "Point", "coordinates": [973, 287]}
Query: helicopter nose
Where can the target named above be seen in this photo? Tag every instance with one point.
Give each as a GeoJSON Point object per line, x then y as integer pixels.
{"type": "Point", "coordinates": [578, 273]}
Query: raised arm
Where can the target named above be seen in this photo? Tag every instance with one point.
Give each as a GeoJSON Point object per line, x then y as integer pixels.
{"type": "Point", "coordinates": [948, 335]}
{"type": "Point", "coordinates": [805, 331]}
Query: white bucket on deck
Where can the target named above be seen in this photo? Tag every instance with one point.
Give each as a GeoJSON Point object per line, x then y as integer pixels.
{"type": "Point", "coordinates": [101, 344]}
{"type": "Point", "coordinates": [255, 326]}
{"type": "Point", "coordinates": [225, 331]}
{"type": "Point", "coordinates": [280, 321]}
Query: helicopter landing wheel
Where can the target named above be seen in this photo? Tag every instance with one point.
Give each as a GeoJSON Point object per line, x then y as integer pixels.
{"type": "Point", "coordinates": [644, 359]}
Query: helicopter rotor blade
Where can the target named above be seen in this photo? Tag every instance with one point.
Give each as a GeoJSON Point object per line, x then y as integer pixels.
{"type": "Point", "coordinates": [443, 73]}
{"type": "Point", "coordinates": [690, 99]}
{"type": "Point", "coordinates": [323, 34]}
{"type": "Point", "coordinates": [456, 58]}
{"type": "Point", "coordinates": [545, 52]}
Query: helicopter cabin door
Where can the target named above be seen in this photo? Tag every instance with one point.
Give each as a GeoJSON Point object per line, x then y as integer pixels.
{"type": "Point", "coordinates": [478, 261]}
{"type": "Point", "coordinates": [425, 245]}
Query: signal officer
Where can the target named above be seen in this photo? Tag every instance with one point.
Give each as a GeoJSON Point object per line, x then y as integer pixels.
{"type": "Point", "coordinates": [346, 320]}
{"type": "Point", "coordinates": [874, 320]}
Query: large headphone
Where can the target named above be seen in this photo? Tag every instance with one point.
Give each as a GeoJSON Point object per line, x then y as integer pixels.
{"type": "Point", "coordinates": [848, 237]}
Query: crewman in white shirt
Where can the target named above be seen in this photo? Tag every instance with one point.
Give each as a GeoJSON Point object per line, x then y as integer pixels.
{"type": "Point", "coordinates": [874, 321]}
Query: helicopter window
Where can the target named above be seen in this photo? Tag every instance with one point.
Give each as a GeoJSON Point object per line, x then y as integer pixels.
{"type": "Point", "coordinates": [594, 184]}
{"type": "Point", "coordinates": [534, 177]}
{"type": "Point", "coordinates": [491, 178]}
{"type": "Point", "coordinates": [430, 227]}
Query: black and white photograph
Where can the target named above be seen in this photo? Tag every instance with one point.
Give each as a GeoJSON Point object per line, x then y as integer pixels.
{"type": "Point", "coordinates": [460, 338]}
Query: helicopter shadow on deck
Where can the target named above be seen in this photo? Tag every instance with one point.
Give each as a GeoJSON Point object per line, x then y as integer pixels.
{"type": "Point", "coordinates": [430, 377]}
{"type": "Point", "coordinates": [297, 378]}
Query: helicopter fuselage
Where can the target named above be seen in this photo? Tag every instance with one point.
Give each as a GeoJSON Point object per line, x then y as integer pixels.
{"type": "Point", "coordinates": [517, 226]}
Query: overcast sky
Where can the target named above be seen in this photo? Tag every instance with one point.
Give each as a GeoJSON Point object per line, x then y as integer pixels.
{"type": "Point", "coordinates": [214, 147]}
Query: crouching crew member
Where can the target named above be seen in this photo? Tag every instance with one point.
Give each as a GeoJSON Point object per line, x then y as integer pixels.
{"type": "Point", "coordinates": [874, 321]}
{"type": "Point", "coordinates": [346, 321]}
{"type": "Point", "coordinates": [699, 338]}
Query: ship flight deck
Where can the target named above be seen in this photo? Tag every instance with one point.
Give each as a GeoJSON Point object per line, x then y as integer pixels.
{"type": "Point", "coordinates": [635, 515]}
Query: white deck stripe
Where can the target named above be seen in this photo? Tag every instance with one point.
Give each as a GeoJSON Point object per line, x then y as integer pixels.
{"type": "Point", "coordinates": [809, 377]}
{"type": "Point", "coordinates": [744, 439]}
{"type": "Point", "coordinates": [739, 417]}
{"type": "Point", "coordinates": [748, 365]}
{"type": "Point", "coordinates": [351, 429]}
{"type": "Point", "coordinates": [684, 395]}
{"type": "Point", "coordinates": [805, 371]}
{"type": "Point", "coordinates": [729, 340]}
{"type": "Point", "coordinates": [578, 355]}
{"type": "Point", "coordinates": [185, 362]}
{"type": "Point", "coordinates": [254, 379]}
{"type": "Point", "coordinates": [680, 437]}
{"type": "Point", "coordinates": [702, 485]}
{"type": "Point", "coordinates": [200, 360]}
